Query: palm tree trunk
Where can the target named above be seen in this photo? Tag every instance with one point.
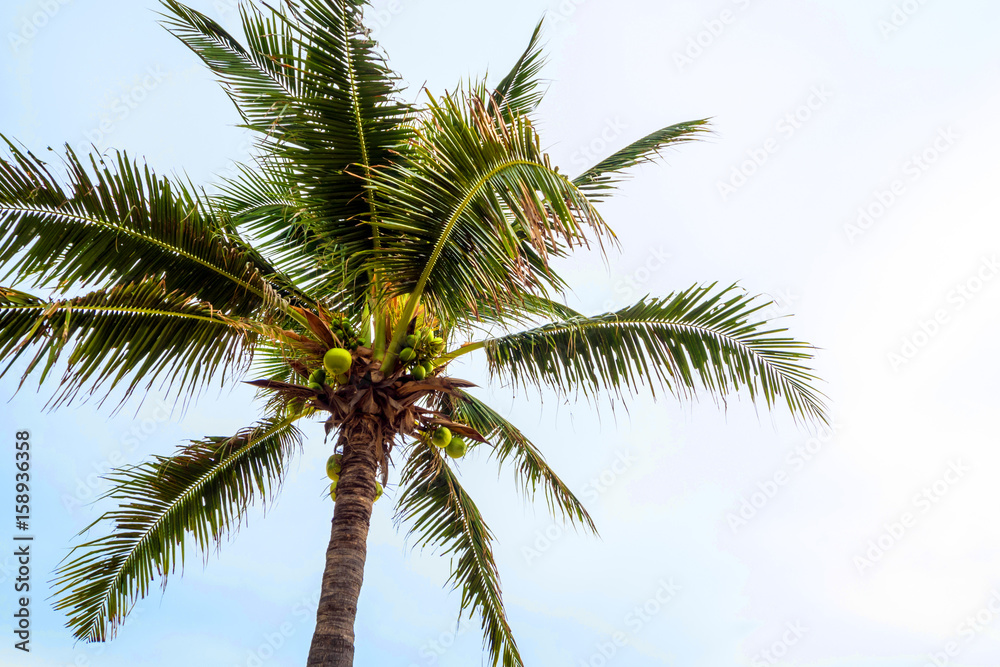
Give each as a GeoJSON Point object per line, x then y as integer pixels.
{"type": "Point", "coordinates": [333, 640]}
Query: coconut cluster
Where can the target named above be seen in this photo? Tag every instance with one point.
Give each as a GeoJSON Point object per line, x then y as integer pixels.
{"type": "Point", "coordinates": [341, 327]}
{"type": "Point", "coordinates": [419, 351]}
{"type": "Point", "coordinates": [442, 438]}
{"type": "Point", "coordinates": [345, 379]}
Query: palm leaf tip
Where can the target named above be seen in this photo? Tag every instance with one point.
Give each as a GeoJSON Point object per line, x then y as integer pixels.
{"type": "Point", "coordinates": [602, 178]}
{"type": "Point", "coordinates": [520, 91]}
{"type": "Point", "coordinates": [698, 339]}
{"type": "Point", "coordinates": [511, 446]}
{"type": "Point", "coordinates": [443, 516]}
{"type": "Point", "coordinates": [200, 494]}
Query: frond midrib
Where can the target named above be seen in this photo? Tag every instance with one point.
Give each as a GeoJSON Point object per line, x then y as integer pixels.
{"type": "Point", "coordinates": [472, 546]}
{"type": "Point", "coordinates": [760, 359]}
{"type": "Point", "coordinates": [740, 342]}
{"type": "Point", "coordinates": [111, 310]}
{"type": "Point", "coordinates": [415, 296]}
{"type": "Point", "coordinates": [244, 54]}
{"type": "Point", "coordinates": [166, 512]}
{"type": "Point", "coordinates": [135, 234]}
{"type": "Point", "coordinates": [355, 96]}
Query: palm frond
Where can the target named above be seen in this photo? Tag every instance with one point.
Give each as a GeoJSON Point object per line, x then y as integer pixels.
{"type": "Point", "coordinates": [474, 213]}
{"type": "Point", "coordinates": [132, 334]}
{"type": "Point", "coordinates": [199, 495]}
{"type": "Point", "coordinates": [264, 204]}
{"type": "Point", "coordinates": [602, 178]}
{"type": "Point", "coordinates": [354, 123]}
{"type": "Point", "coordinates": [262, 79]}
{"type": "Point", "coordinates": [443, 516]}
{"type": "Point", "coordinates": [700, 337]}
{"type": "Point", "coordinates": [509, 444]}
{"type": "Point", "coordinates": [119, 225]}
{"type": "Point", "coordinates": [319, 92]}
{"type": "Point", "coordinates": [519, 92]}
{"type": "Point", "coordinates": [513, 313]}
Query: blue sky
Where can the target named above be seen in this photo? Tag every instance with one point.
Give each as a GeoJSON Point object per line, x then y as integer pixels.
{"type": "Point", "coordinates": [851, 178]}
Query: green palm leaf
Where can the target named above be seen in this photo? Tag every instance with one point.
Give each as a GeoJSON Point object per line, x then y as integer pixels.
{"type": "Point", "coordinates": [519, 92]}
{"type": "Point", "coordinates": [530, 467]}
{"type": "Point", "coordinates": [200, 494]}
{"type": "Point", "coordinates": [698, 337]}
{"type": "Point", "coordinates": [602, 178]}
{"type": "Point", "coordinates": [118, 226]}
{"type": "Point", "coordinates": [264, 204]}
{"type": "Point", "coordinates": [443, 516]}
{"type": "Point", "coordinates": [315, 86]}
{"type": "Point", "coordinates": [474, 213]}
{"type": "Point", "coordinates": [138, 331]}
{"type": "Point", "coordinates": [262, 79]}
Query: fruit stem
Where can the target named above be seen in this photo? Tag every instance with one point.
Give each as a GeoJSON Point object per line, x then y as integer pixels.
{"type": "Point", "coordinates": [454, 354]}
{"type": "Point", "coordinates": [366, 325]}
{"type": "Point", "coordinates": [379, 348]}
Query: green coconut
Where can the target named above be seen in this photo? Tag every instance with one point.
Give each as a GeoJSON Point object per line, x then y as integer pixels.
{"type": "Point", "coordinates": [333, 490]}
{"type": "Point", "coordinates": [378, 490]}
{"type": "Point", "coordinates": [333, 467]}
{"type": "Point", "coordinates": [457, 448]}
{"type": "Point", "coordinates": [418, 372]}
{"type": "Point", "coordinates": [441, 437]}
{"type": "Point", "coordinates": [316, 386]}
{"type": "Point", "coordinates": [337, 360]}
{"type": "Point", "coordinates": [412, 340]}
{"type": "Point", "coordinates": [407, 354]}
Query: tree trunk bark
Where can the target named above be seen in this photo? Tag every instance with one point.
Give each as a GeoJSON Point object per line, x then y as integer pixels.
{"type": "Point", "coordinates": [333, 640]}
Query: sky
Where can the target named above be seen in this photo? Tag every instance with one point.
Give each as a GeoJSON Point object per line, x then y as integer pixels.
{"type": "Point", "coordinates": [850, 179]}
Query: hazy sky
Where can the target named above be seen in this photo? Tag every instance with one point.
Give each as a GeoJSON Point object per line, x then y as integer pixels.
{"type": "Point", "coordinates": [851, 177]}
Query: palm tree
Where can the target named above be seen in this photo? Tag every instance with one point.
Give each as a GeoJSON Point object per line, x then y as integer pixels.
{"type": "Point", "coordinates": [365, 225]}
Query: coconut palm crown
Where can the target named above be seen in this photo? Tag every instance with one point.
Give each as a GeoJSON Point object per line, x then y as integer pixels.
{"type": "Point", "coordinates": [403, 236]}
